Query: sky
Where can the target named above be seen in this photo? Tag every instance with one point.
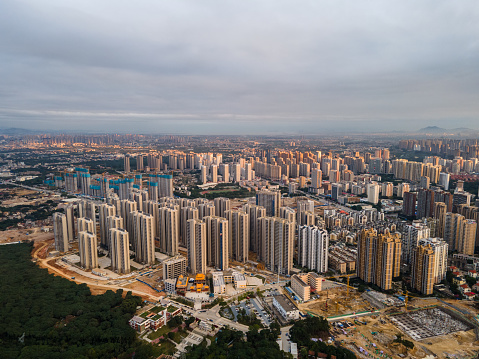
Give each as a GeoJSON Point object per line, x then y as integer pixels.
{"type": "Point", "coordinates": [238, 67]}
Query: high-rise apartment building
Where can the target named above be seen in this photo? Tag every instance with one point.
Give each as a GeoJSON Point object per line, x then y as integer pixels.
{"type": "Point", "coordinates": [143, 237]}
{"type": "Point", "coordinates": [422, 278]}
{"type": "Point", "coordinates": [85, 224]}
{"type": "Point", "coordinates": [460, 233]}
{"type": "Point", "coordinates": [224, 170]}
{"type": "Point", "coordinates": [254, 212]}
{"type": "Point", "coordinates": [214, 173]}
{"type": "Point", "coordinates": [379, 257]}
{"type": "Point", "coordinates": [60, 232]}
{"type": "Point", "coordinates": [203, 175]}
{"type": "Point", "coordinates": [409, 204]}
{"type": "Point", "coordinates": [221, 206]}
{"type": "Point", "coordinates": [139, 162]}
{"type": "Point", "coordinates": [217, 242]}
{"type": "Point", "coordinates": [303, 205]}
{"type": "Point", "coordinates": [87, 209]}
{"type": "Point", "coordinates": [276, 243]}
{"type": "Point", "coordinates": [169, 229]}
{"type": "Point", "coordinates": [196, 246]}
{"type": "Point", "coordinates": [467, 240]}
{"type": "Point", "coordinates": [316, 178]}
{"type": "Point", "coordinates": [113, 222]}
{"type": "Point", "coordinates": [411, 234]}
{"type": "Point", "coordinates": [165, 186]}
{"type": "Point", "coordinates": [373, 192]}
{"type": "Point", "coordinates": [239, 233]}
{"type": "Point", "coordinates": [87, 245]}
{"type": "Point", "coordinates": [120, 250]}
{"type": "Point", "coordinates": [313, 244]}
{"type": "Point", "coordinates": [106, 211]}
{"type": "Point", "coordinates": [174, 267]}
{"type": "Point", "coordinates": [126, 163]}
{"type": "Point", "coordinates": [271, 200]}
{"type": "Point", "coordinates": [186, 213]}
{"type": "Point", "coordinates": [444, 180]}
{"type": "Point", "coordinates": [206, 210]}
{"type": "Point", "coordinates": [440, 249]}
{"type": "Point", "coordinates": [70, 222]}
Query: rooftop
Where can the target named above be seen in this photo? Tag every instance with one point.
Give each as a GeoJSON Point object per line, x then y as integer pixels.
{"type": "Point", "coordinates": [285, 303]}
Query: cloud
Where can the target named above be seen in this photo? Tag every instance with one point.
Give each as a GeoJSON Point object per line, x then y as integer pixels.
{"type": "Point", "coordinates": [229, 66]}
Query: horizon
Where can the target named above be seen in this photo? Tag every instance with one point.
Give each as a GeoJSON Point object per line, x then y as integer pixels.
{"type": "Point", "coordinates": [239, 68]}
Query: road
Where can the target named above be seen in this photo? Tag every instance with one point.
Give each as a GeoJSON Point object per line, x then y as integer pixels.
{"type": "Point", "coordinates": [90, 282]}
{"type": "Point", "coordinates": [285, 338]}
{"type": "Point", "coordinates": [213, 314]}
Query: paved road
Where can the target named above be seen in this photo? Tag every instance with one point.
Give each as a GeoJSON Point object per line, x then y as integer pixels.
{"type": "Point", "coordinates": [214, 315]}
{"type": "Point", "coordinates": [285, 338]}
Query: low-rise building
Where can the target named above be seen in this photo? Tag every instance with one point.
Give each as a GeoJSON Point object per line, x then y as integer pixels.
{"type": "Point", "coordinates": [181, 284]}
{"type": "Point", "coordinates": [170, 286]}
{"type": "Point", "coordinates": [302, 289]}
{"type": "Point", "coordinates": [470, 295]}
{"type": "Point", "coordinates": [302, 284]}
{"type": "Point", "coordinates": [239, 280]}
{"type": "Point", "coordinates": [219, 286]}
{"type": "Point", "coordinates": [154, 318]}
{"type": "Point", "coordinates": [285, 307]}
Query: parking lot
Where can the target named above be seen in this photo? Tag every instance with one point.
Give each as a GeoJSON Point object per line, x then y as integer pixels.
{"type": "Point", "coordinates": [254, 306]}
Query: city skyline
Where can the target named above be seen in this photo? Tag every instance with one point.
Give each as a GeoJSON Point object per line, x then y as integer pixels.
{"type": "Point", "coordinates": [238, 68]}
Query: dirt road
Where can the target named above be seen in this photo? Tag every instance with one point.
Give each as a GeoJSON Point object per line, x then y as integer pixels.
{"type": "Point", "coordinates": [94, 285]}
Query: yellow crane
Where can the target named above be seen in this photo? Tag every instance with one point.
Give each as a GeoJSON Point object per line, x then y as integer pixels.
{"type": "Point", "coordinates": [348, 276]}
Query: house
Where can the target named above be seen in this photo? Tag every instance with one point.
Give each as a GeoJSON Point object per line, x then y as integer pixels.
{"type": "Point", "coordinates": [458, 280]}
{"type": "Point", "coordinates": [475, 287]}
{"type": "Point", "coordinates": [472, 273]}
{"type": "Point", "coordinates": [464, 288]}
{"type": "Point", "coordinates": [470, 295]}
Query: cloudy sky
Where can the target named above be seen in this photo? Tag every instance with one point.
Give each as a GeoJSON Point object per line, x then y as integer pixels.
{"type": "Point", "coordinates": [238, 66]}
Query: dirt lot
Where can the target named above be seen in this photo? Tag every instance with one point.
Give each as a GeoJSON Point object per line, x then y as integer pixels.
{"type": "Point", "coordinates": [344, 305]}
{"type": "Point", "coordinates": [15, 235]}
{"type": "Point", "coordinates": [461, 344]}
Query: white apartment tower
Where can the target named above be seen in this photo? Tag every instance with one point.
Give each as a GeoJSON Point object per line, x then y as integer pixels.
{"type": "Point", "coordinates": [313, 244]}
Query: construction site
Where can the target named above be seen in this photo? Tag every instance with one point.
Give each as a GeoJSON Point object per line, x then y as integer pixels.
{"type": "Point", "coordinates": [335, 301]}
{"type": "Point", "coordinates": [374, 324]}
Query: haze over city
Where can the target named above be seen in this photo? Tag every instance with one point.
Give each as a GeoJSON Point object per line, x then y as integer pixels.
{"type": "Point", "coordinates": [235, 67]}
{"type": "Point", "coordinates": [239, 179]}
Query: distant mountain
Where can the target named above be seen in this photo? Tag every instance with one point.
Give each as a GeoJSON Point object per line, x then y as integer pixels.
{"type": "Point", "coordinates": [440, 130]}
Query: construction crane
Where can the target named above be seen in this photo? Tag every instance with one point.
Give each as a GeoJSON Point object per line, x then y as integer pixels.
{"type": "Point", "coordinates": [348, 276]}
{"type": "Point", "coordinates": [405, 299]}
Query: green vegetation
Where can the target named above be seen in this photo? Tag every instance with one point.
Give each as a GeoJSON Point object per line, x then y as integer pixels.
{"type": "Point", "coordinates": [59, 319]}
{"type": "Point", "coordinates": [313, 327]}
{"type": "Point", "coordinates": [219, 301]}
{"type": "Point", "coordinates": [34, 212]}
{"type": "Point", "coordinates": [407, 343]}
{"type": "Point", "coordinates": [469, 186]}
{"type": "Point", "coordinates": [226, 190]}
{"type": "Point", "coordinates": [232, 344]}
{"type": "Point", "coordinates": [250, 320]}
{"type": "Point", "coordinates": [183, 301]}
{"type": "Point", "coordinates": [159, 333]}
